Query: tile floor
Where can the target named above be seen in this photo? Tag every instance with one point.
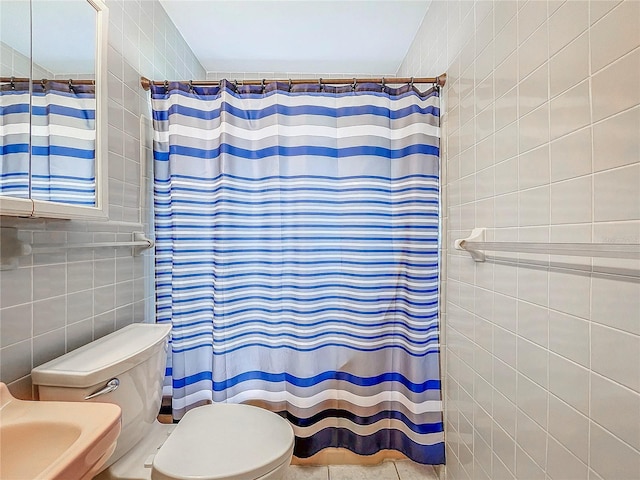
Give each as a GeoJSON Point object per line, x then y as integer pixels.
{"type": "Point", "coordinates": [400, 470]}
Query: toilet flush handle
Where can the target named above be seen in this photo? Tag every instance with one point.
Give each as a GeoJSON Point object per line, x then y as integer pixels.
{"type": "Point", "coordinates": [108, 388]}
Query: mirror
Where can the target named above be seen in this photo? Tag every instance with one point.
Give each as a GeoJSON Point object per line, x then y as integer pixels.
{"type": "Point", "coordinates": [15, 61]}
{"type": "Point", "coordinates": [66, 172]}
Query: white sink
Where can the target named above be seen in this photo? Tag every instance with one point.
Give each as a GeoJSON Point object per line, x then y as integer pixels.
{"type": "Point", "coordinates": [55, 440]}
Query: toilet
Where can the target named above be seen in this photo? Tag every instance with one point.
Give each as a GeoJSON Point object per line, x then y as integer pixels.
{"type": "Point", "coordinates": [219, 441]}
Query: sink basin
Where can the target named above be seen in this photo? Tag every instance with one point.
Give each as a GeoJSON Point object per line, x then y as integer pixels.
{"type": "Point", "coordinates": [55, 440]}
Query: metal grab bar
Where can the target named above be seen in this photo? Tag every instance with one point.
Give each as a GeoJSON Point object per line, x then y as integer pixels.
{"type": "Point", "coordinates": [475, 244]}
{"type": "Point", "coordinates": [139, 240]}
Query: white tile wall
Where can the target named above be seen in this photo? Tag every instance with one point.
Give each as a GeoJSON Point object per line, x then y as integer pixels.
{"type": "Point", "coordinates": [54, 303]}
{"type": "Point", "coordinates": [541, 143]}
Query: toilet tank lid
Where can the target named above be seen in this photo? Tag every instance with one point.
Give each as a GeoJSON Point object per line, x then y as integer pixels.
{"type": "Point", "coordinates": [102, 359]}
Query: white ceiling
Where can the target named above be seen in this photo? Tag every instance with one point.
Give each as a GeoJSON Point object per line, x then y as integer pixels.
{"type": "Point", "coordinates": [298, 36]}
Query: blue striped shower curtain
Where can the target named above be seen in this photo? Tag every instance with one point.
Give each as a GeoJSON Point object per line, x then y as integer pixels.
{"type": "Point", "coordinates": [14, 139]}
{"type": "Point", "coordinates": [297, 258]}
{"type": "Point", "coordinates": [61, 129]}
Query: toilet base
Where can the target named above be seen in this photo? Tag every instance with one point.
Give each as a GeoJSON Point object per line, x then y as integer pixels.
{"type": "Point", "coordinates": [136, 464]}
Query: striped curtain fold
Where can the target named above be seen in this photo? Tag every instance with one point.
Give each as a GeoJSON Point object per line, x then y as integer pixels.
{"type": "Point", "coordinates": [14, 140]}
{"type": "Point", "coordinates": [63, 143]}
{"type": "Point", "coordinates": [297, 258]}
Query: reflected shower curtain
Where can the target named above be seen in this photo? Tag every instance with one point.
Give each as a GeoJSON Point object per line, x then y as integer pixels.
{"type": "Point", "coordinates": [297, 258]}
{"type": "Point", "coordinates": [63, 145]}
{"type": "Point", "coordinates": [14, 139]}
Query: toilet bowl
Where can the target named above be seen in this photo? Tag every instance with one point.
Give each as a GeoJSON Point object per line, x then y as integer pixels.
{"type": "Point", "coordinates": [218, 441]}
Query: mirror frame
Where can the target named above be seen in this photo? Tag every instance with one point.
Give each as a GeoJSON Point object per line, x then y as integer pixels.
{"type": "Point", "coordinates": [41, 208]}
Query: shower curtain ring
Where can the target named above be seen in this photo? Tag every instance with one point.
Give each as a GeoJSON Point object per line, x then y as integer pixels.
{"type": "Point", "coordinates": [70, 86]}
{"type": "Point", "coordinates": [166, 86]}
{"type": "Point", "coordinates": [13, 85]}
{"type": "Point", "coordinates": [289, 85]}
{"type": "Point", "coordinates": [190, 86]}
{"type": "Point", "coordinates": [411, 83]}
{"type": "Point", "coordinates": [353, 86]}
{"type": "Point", "coordinates": [383, 83]}
{"type": "Point", "coordinates": [263, 87]}
{"type": "Point", "coordinates": [43, 82]}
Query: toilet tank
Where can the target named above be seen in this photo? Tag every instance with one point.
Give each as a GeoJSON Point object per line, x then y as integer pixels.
{"type": "Point", "coordinates": [134, 355]}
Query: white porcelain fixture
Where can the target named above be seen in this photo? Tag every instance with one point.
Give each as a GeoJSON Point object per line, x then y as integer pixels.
{"type": "Point", "coordinates": [219, 441]}
{"type": "Point", "coordinates": [55, 440]}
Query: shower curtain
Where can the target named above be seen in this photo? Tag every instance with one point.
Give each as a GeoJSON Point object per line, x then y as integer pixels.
{"type": "Point", "coordinates": [14, 139]}
{"type": "Point", "coordinates": [297, 258]}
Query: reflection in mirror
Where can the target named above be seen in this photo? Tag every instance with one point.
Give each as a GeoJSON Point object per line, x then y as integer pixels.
{"type": "Point", "coordinates": [63, 117]}
{"type": "Point", "coordinates": [15, 66]}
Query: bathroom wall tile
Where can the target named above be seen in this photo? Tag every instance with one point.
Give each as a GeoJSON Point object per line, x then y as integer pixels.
{"type": "Point", "coordinates": [49, 314]}
{"type": "Point", "coordinates": [570, 111]}
{"type": "Point", "coordinates": [534, 129]}
{"type": "Point", "coordinates": [570, 66]}
{"type": "Point", "coordinates": [15, 361]}
{"type": "Point", "coordinates": [506, 109]}
{"type": "Point", "coordinates": [616, 194]}
{"type": "Point", "coordinates": [533, 168]}
{"type": "Point", "coordinates": [504, 346]}
{"type": "Point", "coordinates": [562, 464]}
{"type": "Point", "coordinates": [610, 457]}
{"type": "Point", "coordinates": [609, 101]}
{"type": "Point", "coordinates": [533, 285]}
{"type": "Point", "coordinates": [534, 90]}
{"type": "Point", "coordinates": [15, 324]}
{"type": "Point", "coordinates": [616, 303]}
{"type": "Point", "coordinates": [533, 52]}
{"type": "Point", "coordinates": [48, 346]}
{"type": "Point", "coordinates": [526, 467]}
{"type": "Point", "coordinates": [624, 366]}
{"type": "Point", "coordinates": [79, 306]}
{"type": "Point", "coordinates": [533, 206]}
{"type": "Point", "coordinates": [571, 155]}
{"type": "Point", "coordinates": [571, 201]}
{"type": "Point", "coordinates": [604, 395]}
{"type": "Point", "coordinates": [530, 17]}
{"type": "Point", "coordinates": [15, 287]}
{"type": "Point", "coordinates": [504, 447]}
{"type": "Point", "coordinates": [598, 9]}
{"type": "Point", "coordinates": [533, 361]}
{"type": "Point", "coordinates": [616, 141]}
{"type": "Point", "coordinates": [569, 337]}
{"type": "Point", "coordinates": [532, 400]}
{"type": "Point", "coordinates": [534, 323]}
{"type": "Point", "coordinates": [506, 39]}
{"type": "Point", "coordinates": [567, 22]}
{"type": "Point", "coordinates": [104, 324]}
{"type": "Point", "coordinates": [569, 427]}
{"type": "Point", "coordinates": [79, 334]}
{"type": "Point", "coordinates": [580, 206]}
{"type": "Point", "coordinates": [506, 75]}
{"type": "Point", "coordinates": [504, 12]}
{"type": "Point", "coordinates": [616, 34]}
{"type": "Point", "coordinates": [570, 382]}
{"type": "Point", "coordinates": [49, 281]}
{"type": "Point", "coordinates": [504, 380]}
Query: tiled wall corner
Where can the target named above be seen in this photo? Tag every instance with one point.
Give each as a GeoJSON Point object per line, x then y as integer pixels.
{"type": "Point", "coordinates": [54, 303]}
{"type": "Point", "coordinates": [541, 142]}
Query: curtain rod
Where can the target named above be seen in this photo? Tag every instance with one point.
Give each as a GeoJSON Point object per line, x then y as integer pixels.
{"type": "Point", "coordinates": [45, 80]}
{"type": "Point", "coordinates": [440, 80]}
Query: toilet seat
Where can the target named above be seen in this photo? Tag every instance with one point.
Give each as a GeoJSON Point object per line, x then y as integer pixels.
{"type": "Point", "coordinates": [224, 441]}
